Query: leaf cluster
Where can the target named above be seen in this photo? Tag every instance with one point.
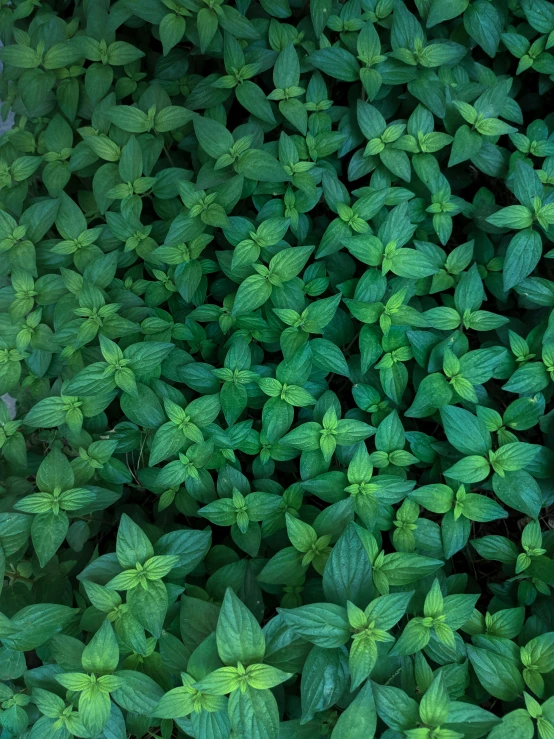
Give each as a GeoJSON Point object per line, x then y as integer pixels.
{"type": "Point", "coordinates": [277, 314]}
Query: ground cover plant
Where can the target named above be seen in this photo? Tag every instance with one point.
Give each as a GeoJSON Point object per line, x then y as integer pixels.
{"type": "Point", "coordinates": [276, 308]}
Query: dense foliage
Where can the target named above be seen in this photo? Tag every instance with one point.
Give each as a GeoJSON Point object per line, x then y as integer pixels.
{"type": "Point", "coordinates": [277, 313]}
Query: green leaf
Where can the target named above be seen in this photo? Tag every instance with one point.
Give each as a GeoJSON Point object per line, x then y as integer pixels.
{"type": "Point", "coordinates": [132, 543]}
{"type": "Point", "coordinates": [347, 574]}
{"type": "Point", "coordinates": [464, 431]}
{"type": "Point", "coordinates": [498, 674]}
{"type": "Point", "coordinates": [48, 532]}
{"type": "Point", "coordinates": [520, 491]}
{"type": "Point", "coordinates": [254, 713]}
{"type": "Point", "coordinates": [137, 692]}
{"type": "Point", "coordinates": [395, 708]}
{"type": "Point", "coordinates": [524, 252]}
{"type": "Point", "coordinates": [239, 636]}
{"type": "Point", "coordinates": [323, 624]}
{"type": "Point", "coordinates": [324, 679]}
{"type": "Point", "coordinates": [101, 655]}
{"type": "Point", "coordinates": [482, 22]}
{"type": "Point", "coordinates": [172, 30]}
{"type": "Point", "coordinates": [128, 118]}
{"type": "Point", "coordinates": [257, 164]}
{"type": "Point", "coordinates": [214, 138]}
{"type": "Point", "coordinates": [360, 716]}
{"type": "Point", "coordinates": [337, 63]}
{"type": "Point", "coordinates": [252, 294]}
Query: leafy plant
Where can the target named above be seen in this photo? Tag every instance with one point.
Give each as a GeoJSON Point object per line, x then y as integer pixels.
{"type": "Point", "coordinates": [276, 313]}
